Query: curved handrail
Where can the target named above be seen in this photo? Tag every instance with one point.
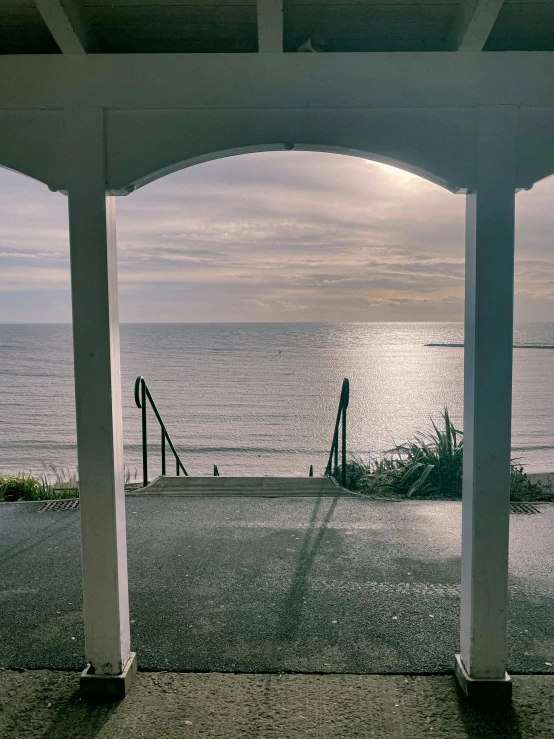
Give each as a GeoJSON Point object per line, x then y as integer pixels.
{"type": "Point", "coordinates": [341, 415]}
{"type": "Point", "coordinates": [141, 394]}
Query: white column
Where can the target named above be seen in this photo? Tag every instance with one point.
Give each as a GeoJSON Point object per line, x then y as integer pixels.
{"type": "Point", "coordinates": [98, 395]}
{"type": "Point", "coordinates": [487, 398]}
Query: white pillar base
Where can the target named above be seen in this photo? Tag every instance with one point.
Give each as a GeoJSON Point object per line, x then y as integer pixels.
{"type": "Point", "coordinates": [108, 687]}
{"type": "Point", "coordinates": [483, 690]}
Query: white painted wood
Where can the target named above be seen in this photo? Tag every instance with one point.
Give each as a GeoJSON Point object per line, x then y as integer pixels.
{"type": "Point", "coordinates": [270, 26]}
{"type": "Point", "coordinates": [98, 395]}
{"type": "Point", "coordinates": [475, 22]}
{"type": "Point", "coordinates": [487, 397]}
{"type": "Point", "coordinates": [66, 24]}
{"type": "Point", "coordinates": [277, 81]}
{"type": "Point", "coordinates": [431, 141]}
{"type": "Point", "coordinates": [416, 110]}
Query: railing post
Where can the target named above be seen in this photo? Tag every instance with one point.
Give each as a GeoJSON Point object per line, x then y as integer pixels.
{"type": "Point", "coordinates": [343, 462]}
{"type": "Point", "coordinates": [144, 440]}
{"type": "Point", "coordinates": [333, 462]}
{"type": "Point", "coordinates": [141, 395]}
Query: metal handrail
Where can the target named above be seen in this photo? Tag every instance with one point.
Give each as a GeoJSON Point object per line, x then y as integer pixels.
{"type": "Point", "coordinates": [141, 394]}
{"type": "Point", "coordinates": [334, 453]}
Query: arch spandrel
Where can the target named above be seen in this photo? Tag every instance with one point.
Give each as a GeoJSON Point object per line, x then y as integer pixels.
{"type": "Point", "coordinates": [146, 145]}
{"type": "Point", "coordinates": [32, 144]}
{"type": "Point", "coordinates": [437, 144]}
{"type": "Point", "coordinates": [535, 145]}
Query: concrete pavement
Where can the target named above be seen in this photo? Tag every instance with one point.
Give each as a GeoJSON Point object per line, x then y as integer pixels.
{"type": "Point", "coordinates": [46, 705]}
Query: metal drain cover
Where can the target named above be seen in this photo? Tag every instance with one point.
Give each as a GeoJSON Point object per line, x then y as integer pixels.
{"type": "Point", "coordinates": [59, 505]}
{"type": "Point", "coordinates": [523, 508]}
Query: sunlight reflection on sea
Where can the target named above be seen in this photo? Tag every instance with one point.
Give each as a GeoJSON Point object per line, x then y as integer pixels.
{"type": "Point", "coordinates": [260, 399]}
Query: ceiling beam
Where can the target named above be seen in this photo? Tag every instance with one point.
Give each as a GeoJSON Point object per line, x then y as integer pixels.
{"type": "Point", "coordinates": [270, 26]}
{"type": "Point", "coordinates": [275, 82]}
{"type": "Point", "coordinates": [66, 24]}
{"type": "Point", "coordinates": [475, 22]}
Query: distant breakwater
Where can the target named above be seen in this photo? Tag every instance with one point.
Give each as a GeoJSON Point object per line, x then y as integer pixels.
{"type": "Point", "coordinates": [516, 346]}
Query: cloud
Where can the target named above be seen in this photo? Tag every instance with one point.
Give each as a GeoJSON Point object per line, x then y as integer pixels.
{"type": "Point", "coordinates": [273, 236]}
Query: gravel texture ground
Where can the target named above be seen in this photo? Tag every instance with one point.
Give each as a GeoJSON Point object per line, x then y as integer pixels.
{"type": "Point", "coordinates": [46, 705]}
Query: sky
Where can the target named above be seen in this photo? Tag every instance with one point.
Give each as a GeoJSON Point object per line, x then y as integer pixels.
{"type": "Point", "coordinates": [276, 236]}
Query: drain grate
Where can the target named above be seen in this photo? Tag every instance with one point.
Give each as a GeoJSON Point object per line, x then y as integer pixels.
{"type": "Point", "coordinates": [59, 505]}
{"type": "Point", "coordinates": [523, 508]}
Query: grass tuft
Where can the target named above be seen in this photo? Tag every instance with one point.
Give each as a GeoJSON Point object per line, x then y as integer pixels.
{"type": "Point", "coordinates": [55, 483]}
{"type": "Point", "coordinates": [25, 486]}
{"type": "Point", "coordinates": [61, 477]}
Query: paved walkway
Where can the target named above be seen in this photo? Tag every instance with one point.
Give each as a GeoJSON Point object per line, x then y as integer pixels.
{"type": "Point", "coordinates": [46, 705]}
{"type": "Point", "coordinates": [273, 585]}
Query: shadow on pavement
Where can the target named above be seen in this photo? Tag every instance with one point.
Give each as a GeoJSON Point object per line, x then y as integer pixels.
{"type": "Point", "coordinates": [76, 717]}
{"type": "Point", "coordinates": [313, 538]}
{"type": "Point", "coordinates": [488, 722]}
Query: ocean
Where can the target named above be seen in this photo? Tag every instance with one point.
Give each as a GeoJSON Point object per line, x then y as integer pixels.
{"type": "Point", "coordinates": [261, 398]}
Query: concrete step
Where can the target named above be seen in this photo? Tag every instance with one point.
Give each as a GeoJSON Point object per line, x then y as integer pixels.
{"type": "Point", "coordinates": [263, 487]}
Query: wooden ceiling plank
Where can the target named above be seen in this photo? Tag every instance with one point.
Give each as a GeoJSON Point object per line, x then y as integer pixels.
{"type": "Point", "coordinates": [475, 23]}
{"type": "Point", "coordinates": [170, 16]}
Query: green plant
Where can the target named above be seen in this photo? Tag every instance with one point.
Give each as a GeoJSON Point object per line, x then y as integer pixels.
{"type": "Point", "coordinates": [429, 466]}
{"type": "Point", "coordinates": [55, 483]}
{"type": "Point", "coordinates": [523, 488]}
{"type": "Point", "coordinates": [23, 487]}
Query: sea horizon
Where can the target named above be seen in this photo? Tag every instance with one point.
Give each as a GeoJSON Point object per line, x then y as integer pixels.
{"type": "Point", "coordinates": [165, 323]}
{"type": "Point", "coordinates": [260, 397]}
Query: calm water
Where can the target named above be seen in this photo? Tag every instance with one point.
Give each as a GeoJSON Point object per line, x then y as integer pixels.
{"type": "Point", "coordinates": [260, 399]}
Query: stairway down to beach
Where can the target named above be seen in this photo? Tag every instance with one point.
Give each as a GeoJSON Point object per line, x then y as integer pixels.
{"type": "Point", "coordinates": [261, 487]}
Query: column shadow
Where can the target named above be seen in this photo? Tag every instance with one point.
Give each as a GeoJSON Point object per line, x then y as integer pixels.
{"type": "Point", "coordinates": [293, 604]}
{"type": "Point", "coordinates": [492, 722]}
{"type": "Point", "coordinates": [79, 718]}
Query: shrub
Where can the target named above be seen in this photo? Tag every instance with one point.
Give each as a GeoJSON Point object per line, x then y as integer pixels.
{"type": "Point", "coordinates": [23, 487]}
{"type": "Point", "coordinates": [523, 488]}
{"type": "Point", "coordinates": [429, 466]}
{"type": "Point", "coordinates": [56, 483]}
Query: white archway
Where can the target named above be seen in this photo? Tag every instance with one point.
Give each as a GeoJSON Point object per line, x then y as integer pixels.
{"type": "Point", "coordinates": [359, 154]}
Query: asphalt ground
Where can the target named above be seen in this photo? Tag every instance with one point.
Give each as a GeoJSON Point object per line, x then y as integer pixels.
{"type": "Point", "coordinates": [253, 585]}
